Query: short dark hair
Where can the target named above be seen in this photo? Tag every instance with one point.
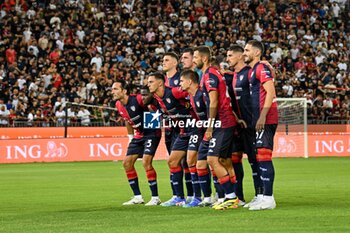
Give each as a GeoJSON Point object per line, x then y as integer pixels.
{"type": "Point", "coordinates": [124, 84]}
{"type": "Point", "coordinates": [257, 44]}
{"type": "Point", "coordinates": [172, 54]}
{"type": "Point", "coordinates": [214, 62]}
{"type": "Point", "coordinates": [204, 50]}
{"type": "Point", "coordinates": [190, 74]}
{"type": "Point", "coordinates": [158, 76]}
{"type": "Point", "coordinates": [236, 48]}
{"type": "Point", "coordinates": [188, 50]}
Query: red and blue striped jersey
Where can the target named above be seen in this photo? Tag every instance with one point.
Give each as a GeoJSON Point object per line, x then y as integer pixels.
{"type": "Point", "coordinates": [241, 90]}
{"type": "Point", "coordinates": [132, 112]}
{"type": "Point", "coordinates": [198, 105]}
{"type": "Point", "coordinates": [174, 104]}
{"type": "Point", "coordinates": [173, 81]}
{"type": "Point", "coordinates": [260, 74]}
{"type": "Point", "coordinates": [212, 80]}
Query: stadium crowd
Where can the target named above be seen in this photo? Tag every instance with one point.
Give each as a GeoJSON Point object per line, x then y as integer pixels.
{"type": "Point", "coordinates": [53, 52]}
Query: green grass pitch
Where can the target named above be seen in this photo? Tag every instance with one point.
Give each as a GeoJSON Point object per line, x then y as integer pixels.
{"type": "Point", "coordinates": [313, 195]}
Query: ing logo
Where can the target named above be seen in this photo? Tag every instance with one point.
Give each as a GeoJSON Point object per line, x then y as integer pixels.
{"type": "Point", "coordinates": [286, 146]}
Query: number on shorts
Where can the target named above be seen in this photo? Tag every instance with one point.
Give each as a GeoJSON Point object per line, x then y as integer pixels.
{"type": "Point", "coordinates": [193, 139]}
{"type": "Point", "coordinates": [212, 142]}
{"type": "Point", "coordinates": [259, 134]}
{"type": "Point", "coordinates": [149, 143]}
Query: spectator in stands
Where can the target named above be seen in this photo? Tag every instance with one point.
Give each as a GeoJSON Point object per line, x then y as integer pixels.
{"type": "Point", "coordinates": [4, 116]}
{"type": "Point", "coordinates": [84, 116]}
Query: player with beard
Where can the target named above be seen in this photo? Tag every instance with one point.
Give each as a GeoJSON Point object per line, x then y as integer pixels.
{"type": "Point", "coordinates": [187, 62]}
{"type": "Point", "coordinates": [265, 120]}
{"type": "Point", "coordinates": [143, 144]}
{"type": "Point", "coordinates": [238, 81]}
{"type": "Point", "coordinates": [219, 110]}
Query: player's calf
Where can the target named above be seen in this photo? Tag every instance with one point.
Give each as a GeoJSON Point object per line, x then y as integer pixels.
{"type": "Point", "coordinates": [223, 176]}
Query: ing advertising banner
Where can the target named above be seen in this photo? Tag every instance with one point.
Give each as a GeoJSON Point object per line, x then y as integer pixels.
{"type": "Point", "coordinates": [106, 147]}
{"type": "Point", "coordinates": [26, 145]}
{"type": "Point", "coordinates": [66, 150]}
{"type": "Point", "coordinates": [58, 132]}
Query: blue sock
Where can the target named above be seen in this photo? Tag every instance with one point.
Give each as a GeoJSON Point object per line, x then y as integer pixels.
{"type": "Point", "coordinates": [267, 176]}
{"type": "Point", "coordinates": [177, 181]}
{"type": "Point", "coordinates": [171, 184]}
{"type": "Point", "coordinates": [204, 181]}
{"type": "Point", "coordinates": [226, 184]}
{"type": "Point", "coordinates": [133, 181]}
{"type": "Point", "coordinates": [152, 181]}
{"type": "Point", "coordinates": [258, 185]}
{"type": "Point", "coordinates": [239, 178]}
{"type": "Point", "coordinates": [195, 184]}
{"type": "Point", "coordinates": [219, 190]}
{"type": "Point", "coordinates": [188, 182]}
{"type": "Point", "coordinates": [168, 142]}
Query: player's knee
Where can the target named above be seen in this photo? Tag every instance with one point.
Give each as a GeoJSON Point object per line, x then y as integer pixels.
{"type": "Point", "coordinates": [213, 161]}
{"type": "Point", "coordinates": [172, 163]}
{"type": "Point", "coordinates": [127, 163]}
{"type": "Point", "coordinates": [147, 165]}
{"type": "Point", "coordinates": [222, 160]}
{"type": "Point", "coordinates": [191, 160]}
{"type": "Point", "coordinates": [227, 164]}
{"type": "Point", "coordinates": [201, 164]}
{"type": "Point", "coordinates": [175, 160]}
{"type": "Point", "coordinates": [169, 162]}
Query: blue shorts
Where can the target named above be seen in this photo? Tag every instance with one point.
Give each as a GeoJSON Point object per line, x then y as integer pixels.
{"type": "Point", "coordinates": [203, 150]}
{"type": "Point", "coordinates": [264, 138]}
{"type": "Point", "coordinates": [181, 143]}
{"type": "Point", "coordinates": [245, 142]}
{"type": "Point", "coordinates": [220, 144]}
{"type": "Point", "coordinates": [195, 140]}
{"type": "Point", "coordinates": [145, 146]}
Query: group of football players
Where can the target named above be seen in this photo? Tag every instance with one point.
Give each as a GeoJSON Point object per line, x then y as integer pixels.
{"type": "Point", "coordinates": [210, 119]}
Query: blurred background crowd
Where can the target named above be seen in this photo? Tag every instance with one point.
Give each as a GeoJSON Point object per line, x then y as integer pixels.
{"type": "Point", "coordinates": [53, 52]}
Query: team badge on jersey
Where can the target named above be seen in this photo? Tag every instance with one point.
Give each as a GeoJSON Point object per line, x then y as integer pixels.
{"type": "Point", "coordinates": [241, 77]}
{"type": "Point", "coordinates": [168, 100]}
{"type": "Point", "coordinates": [198, 104]}
{"type": "Point", "coordinates": [133, 108]}
{"type": "Point", "coordinates": [176, 82]}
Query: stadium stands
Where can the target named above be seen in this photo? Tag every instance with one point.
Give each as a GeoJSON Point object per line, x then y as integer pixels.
{"type": "Point", "coordinates": [52, 52]}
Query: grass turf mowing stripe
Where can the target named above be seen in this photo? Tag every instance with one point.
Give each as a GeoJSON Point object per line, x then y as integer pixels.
{"type": "Point", "coordinates": [311, 194]}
